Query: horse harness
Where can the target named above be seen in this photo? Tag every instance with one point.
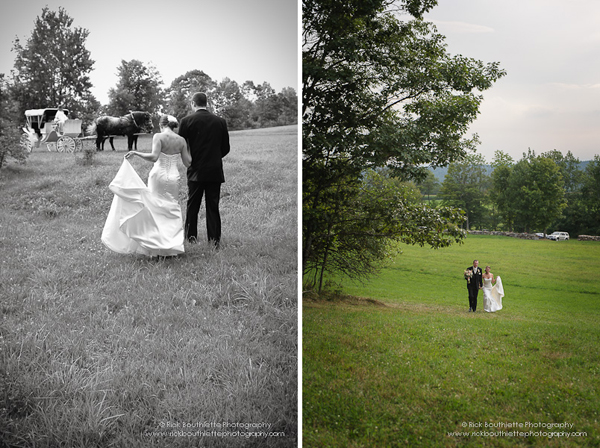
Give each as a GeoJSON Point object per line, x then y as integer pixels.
{"type": "Point", "coordinates": [134, 122]}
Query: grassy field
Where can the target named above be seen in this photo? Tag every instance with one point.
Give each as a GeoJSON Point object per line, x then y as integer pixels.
{"type": "Point", "coordinates": [399, 361]}
{"type": "Point", "coordinates": [99, 349]}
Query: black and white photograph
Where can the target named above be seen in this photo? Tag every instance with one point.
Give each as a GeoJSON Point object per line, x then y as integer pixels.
{"type": "Point", "coordinates": [149, 223]}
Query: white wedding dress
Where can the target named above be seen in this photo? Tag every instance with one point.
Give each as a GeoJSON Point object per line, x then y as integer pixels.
{"type": "Point", "coordinates": [492, 295]}
{"type": "Point", "coordinates": [146, 219]}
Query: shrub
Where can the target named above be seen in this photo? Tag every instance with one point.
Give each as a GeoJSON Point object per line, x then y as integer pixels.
{"type": "Point", "coordinates": [10, 145]}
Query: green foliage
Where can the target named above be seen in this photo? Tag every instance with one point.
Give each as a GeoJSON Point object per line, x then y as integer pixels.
{"type": "Point", "coordinates": [365, 221]}
{"type": "Point", "coordinates": [499, 193]}
{"type": "Point", "coordinates": [52, 68]}
{"type": "Point", "coordinates": [530, 194]}
{"type": "Point", "coordinates": [569, 169]}
{"type": "Point", "coordinates": [465, 186]}
{"type": "Point", "coordinates": [536, 192]}
{"type": "Point", "coordinates": [591, 196]}
{"type": "Point", "coordinates": [378, 92]}
{"type": "Point", "coordinates": [574, 217]}
{"type": "Point", "coordinates": [429, 186]}
{"type": "Point", "coordinates": [546, 193]}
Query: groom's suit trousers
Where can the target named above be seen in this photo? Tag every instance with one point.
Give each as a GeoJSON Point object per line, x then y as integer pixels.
{"type": "Point", "coordinates": [212, 191]}
{"type": "Point", "coordinates": [473, 291]}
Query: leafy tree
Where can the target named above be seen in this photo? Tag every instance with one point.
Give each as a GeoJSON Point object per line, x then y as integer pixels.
{"type": "Point", "coordinates": [569, 169]}
{"type": "Point", "coordinates": [271, 108]}
{"type": "Point", "coordinates": [267, 108]}
{"type": "Point", "coordinates": [378, 91]}
{"type": "Point", "coordinates": [264, 91]}
{"type": "Point", "coordinates": [179, 93]}
{"type": "Point", "coordinates": [138, 88]}
{"type": "Point", "coordinates": [362, 227]}
{"type": "Point", "coordinates": [573, 216]}
{"type": "Point", "coordinates": [465, 186]}
{"type": "Point", "coordinates": [500, 193]}
{"type": "Point", "coordinates": [9, 129]}
{"type": "Point", "coordinates": [52, 68]}
{"type": "Point", "coordinates": [591, 196]}
{"type": "Point", "coordinates": [231, 105]}
{"type": "Point", "coordinates": [430, 185]}
{"type": "Point", "coordinates": [288, 99]}
{"type": "Point", "coordinates": [536, 190]}
{"type": "Point", "coordinates": [249, 90]}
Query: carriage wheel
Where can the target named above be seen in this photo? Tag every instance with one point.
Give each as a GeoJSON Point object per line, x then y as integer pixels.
{"type": "Point", "coordinates": [65, 144]}
{"type": "Point", "coordinates": [26, 144]}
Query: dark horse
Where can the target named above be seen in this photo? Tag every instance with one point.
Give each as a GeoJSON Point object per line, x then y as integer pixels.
{"type": "Point", "coordinates": [133, 123]}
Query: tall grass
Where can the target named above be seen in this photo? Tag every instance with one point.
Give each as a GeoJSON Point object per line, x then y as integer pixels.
{"type": "Point", "coordinates": [102, 349]}
{"type": "Point", "coordinates": [399, 361]}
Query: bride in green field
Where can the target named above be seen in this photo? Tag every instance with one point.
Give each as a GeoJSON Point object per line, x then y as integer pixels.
{"type": "Point", "coordinates": [492, 292]}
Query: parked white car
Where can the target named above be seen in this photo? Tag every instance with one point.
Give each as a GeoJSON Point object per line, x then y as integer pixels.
{"type": "Point", "coordinates": [557, 236]}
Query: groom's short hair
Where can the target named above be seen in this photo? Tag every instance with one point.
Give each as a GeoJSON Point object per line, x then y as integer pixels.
{"type": "Point", "coordinates": [199, 99]}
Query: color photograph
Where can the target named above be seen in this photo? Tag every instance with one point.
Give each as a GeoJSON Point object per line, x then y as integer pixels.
{"type": "Point", "coordinates": [450, 223]}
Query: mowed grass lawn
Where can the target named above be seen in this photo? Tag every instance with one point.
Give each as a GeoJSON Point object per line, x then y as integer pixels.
{"type": "Point", "coordinates": [99, 349]}
{"type": "Point", "coordinates": [401, 362]}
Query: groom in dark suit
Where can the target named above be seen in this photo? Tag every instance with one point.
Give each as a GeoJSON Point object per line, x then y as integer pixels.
{"type": "Point", "coordinates": [474, 284]}
{"type": "Point", "coordinates": [208, 140]}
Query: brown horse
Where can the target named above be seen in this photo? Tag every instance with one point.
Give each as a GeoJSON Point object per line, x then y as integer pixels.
{"type": "Point", "coordinates": [133, 123]}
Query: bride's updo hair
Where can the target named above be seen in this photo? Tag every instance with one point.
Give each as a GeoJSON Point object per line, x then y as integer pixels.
{"type": "Point", "coordinates": [168, 120]}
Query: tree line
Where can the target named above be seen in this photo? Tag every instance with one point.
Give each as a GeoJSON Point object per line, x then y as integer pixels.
{"type": "Point", "coordinates": [52, 68]}
{"type": "Point", "coordinates": [245, 106]}
{"type": "Point", "coordinates": [539, 193]}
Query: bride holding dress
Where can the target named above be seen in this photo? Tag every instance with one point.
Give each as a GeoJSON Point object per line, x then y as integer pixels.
{"type": "Point", "coordinates": [147, 219]}
{"type": "Point", "coordinates": [492, 295]}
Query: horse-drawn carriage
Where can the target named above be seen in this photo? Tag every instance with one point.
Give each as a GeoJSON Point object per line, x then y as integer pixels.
{"type": "Point", "coordinates": [59, 135]}
{"type": "Point", "coordinates": [66, 135]}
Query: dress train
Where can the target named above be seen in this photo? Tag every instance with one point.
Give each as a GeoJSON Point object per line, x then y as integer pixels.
{"type": "Point", "coordinates": [140, 220]}
{"type": "Point", "coordinates": [492, 295]}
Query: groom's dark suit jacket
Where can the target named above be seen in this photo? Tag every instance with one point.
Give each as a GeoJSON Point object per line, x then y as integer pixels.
{"type": "Point", "coordinates": [477, 279]}
{"type": "Point", "coordinates": [209, 143]}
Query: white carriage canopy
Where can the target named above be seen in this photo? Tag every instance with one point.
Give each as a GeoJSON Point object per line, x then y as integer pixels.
{"type": "Point", "coordinates": [37, 118]}
{"type": "Point", "coordinates": [44, 114]}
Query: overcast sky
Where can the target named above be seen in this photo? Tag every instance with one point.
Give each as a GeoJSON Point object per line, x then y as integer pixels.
{"type": "Point", "coordinates": [550, 97]}
{"type": "Point", "coordinates": [243, 40]}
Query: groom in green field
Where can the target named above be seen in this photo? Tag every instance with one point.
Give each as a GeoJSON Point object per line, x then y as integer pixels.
{"type": "Point", "coordinates": [474, 284]}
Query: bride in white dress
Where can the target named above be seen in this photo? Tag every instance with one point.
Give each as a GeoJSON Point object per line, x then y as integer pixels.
{"type": "Point", "coordinates": [147, 219]}
{"type": "Point", "coordinates": [492, 295]}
